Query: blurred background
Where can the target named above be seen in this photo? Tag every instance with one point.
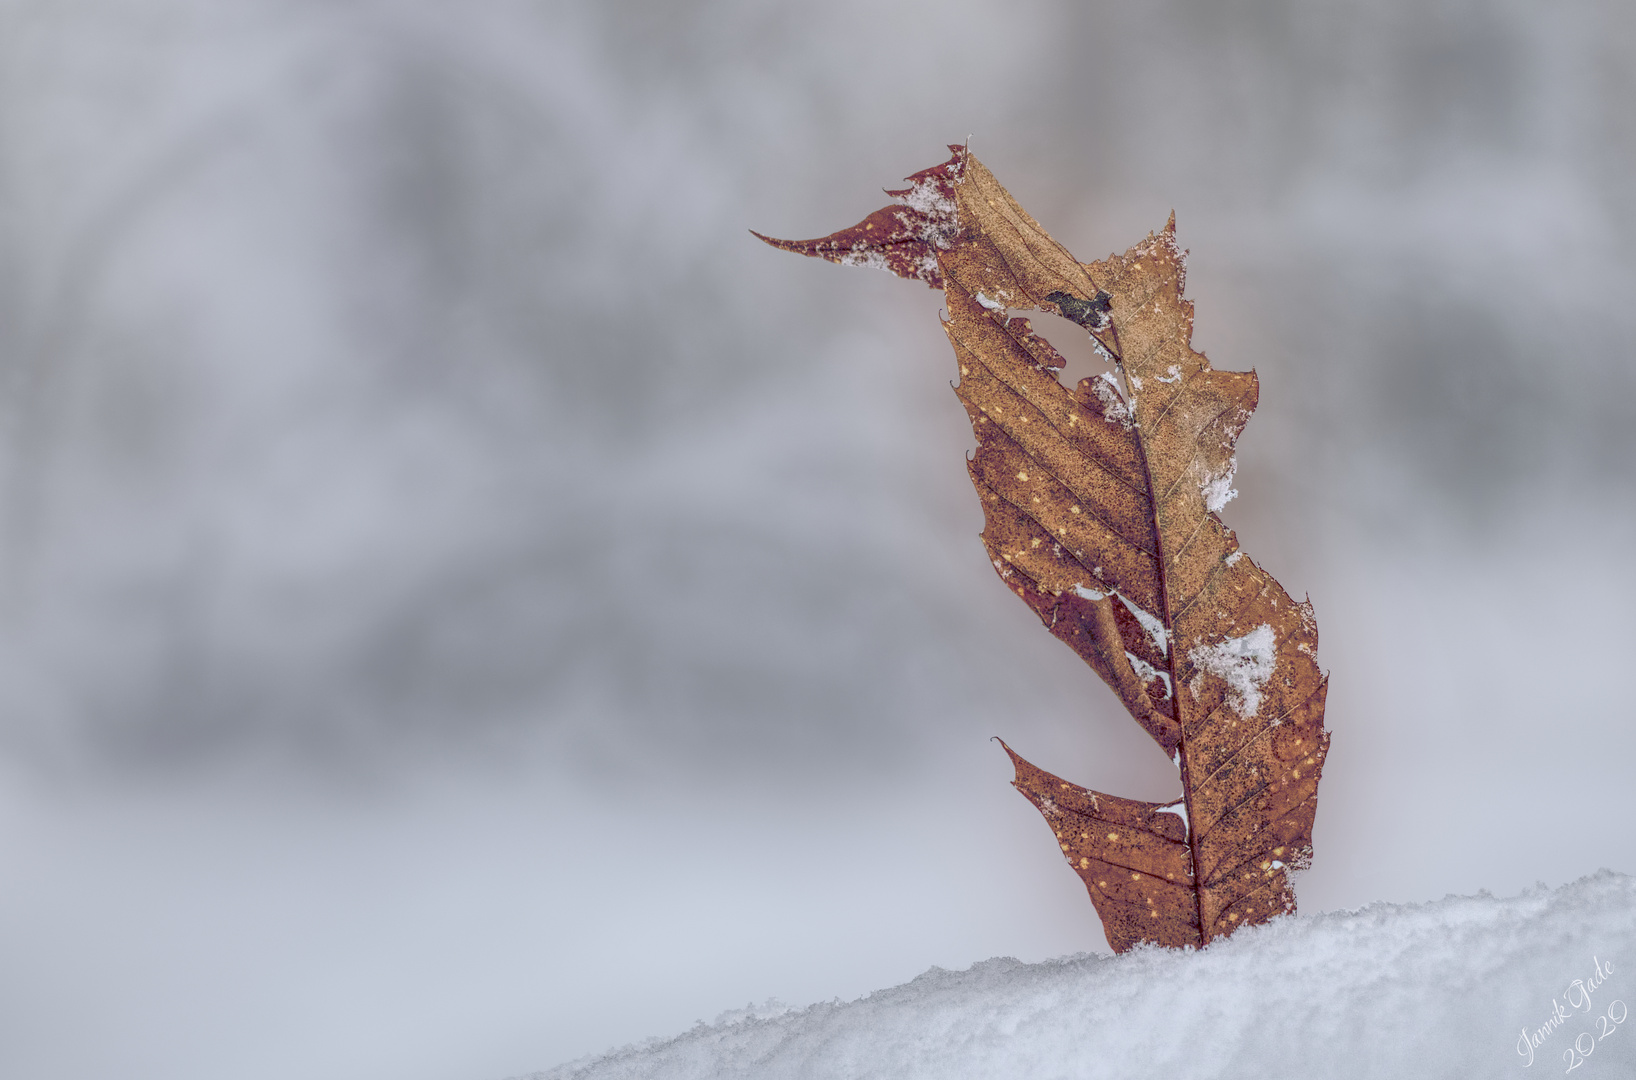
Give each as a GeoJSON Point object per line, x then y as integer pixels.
{"type": "Point", "coordinates": [465, 604]}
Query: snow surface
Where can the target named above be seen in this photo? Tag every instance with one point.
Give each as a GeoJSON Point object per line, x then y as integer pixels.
{"type": "Point", "coordinates": [1447, 989]}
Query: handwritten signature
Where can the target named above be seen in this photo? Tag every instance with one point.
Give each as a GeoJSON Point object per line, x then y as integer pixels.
{"type": "Point", "coordinates": [1578, 996]}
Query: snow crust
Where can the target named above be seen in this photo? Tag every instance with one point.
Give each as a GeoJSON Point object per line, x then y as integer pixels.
{"type": "Point", "coordinates": [1451, 989]}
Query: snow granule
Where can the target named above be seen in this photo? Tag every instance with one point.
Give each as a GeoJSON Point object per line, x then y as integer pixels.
{"type": "Point", "coordinates": [1449, 989]}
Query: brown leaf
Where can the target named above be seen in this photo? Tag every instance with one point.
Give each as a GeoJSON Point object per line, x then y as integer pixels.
{"type": "Point", "coordinates": [1100, 508]}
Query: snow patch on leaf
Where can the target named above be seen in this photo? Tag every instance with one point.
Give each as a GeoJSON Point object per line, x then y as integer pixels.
{"type": "Point", "coordinates": [1218, 488]}
{"type": "Point", "coordinates": [929, 201]}
{"type": "Point", "coordinates": [932, 196]}
{"type": "Point", "coordinates": [1150, 622]}
{"type": "Point", "coordinates": [862, 255]}
{"type": "Point", "coordinates": [1147, 672]}
{"type": "Point", "coordinates": [1156, 631]}
{"type": "Point", "coordinates": [1243, 663]}
{"type": "Point", "coordinates": [1179, 808]}
{"type": "Point", "coordinates": [1114, 409]}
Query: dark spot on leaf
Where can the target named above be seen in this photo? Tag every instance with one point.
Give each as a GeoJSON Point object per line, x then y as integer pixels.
{"type": "Point", "coordinates": [1092, 313]}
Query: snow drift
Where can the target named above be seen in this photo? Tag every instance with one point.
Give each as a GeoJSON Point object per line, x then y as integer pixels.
{"type": "Point", "coordinates": [1461, 987]}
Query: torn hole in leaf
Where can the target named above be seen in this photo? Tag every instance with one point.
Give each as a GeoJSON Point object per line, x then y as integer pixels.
{"type": "Point", "coordinates": [1074, 342]}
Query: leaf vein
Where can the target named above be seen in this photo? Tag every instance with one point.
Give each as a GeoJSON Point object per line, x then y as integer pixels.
{"type": "Point", "coordinates": [1093, 453]}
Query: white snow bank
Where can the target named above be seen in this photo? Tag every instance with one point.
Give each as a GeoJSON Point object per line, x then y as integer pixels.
{"type": "Point", "coordinates": [1445, 989]}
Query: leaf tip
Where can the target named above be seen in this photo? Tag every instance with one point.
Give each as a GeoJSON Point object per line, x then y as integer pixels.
{"type": "Point", "coordinates": [1017, 763]}
{"type": "Point", "coordinates": [800, 247]}
{"type": "Point", "coordinates": [904, 238]}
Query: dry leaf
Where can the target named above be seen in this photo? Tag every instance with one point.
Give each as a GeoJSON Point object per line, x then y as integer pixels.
{"type": "Point", "coordinates": [1101, 514]}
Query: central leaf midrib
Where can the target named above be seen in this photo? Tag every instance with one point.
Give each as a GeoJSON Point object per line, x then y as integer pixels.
{"type": "Point", "coordinates": [1161, 568]}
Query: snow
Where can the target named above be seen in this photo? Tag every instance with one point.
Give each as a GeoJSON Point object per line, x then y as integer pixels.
{"type": "Point", "coordinates": [862, 256]}
{"type": "Point", "coordinates": [1114, 407]}
{"type": "Point", "coordinates": [1218, 487]}
{"type": "Point", "coordinates": [1150, 622]}
{"type": "Point", "coordinates": [1155, 628]}
{"type": "Point", "coordinates": [1455, 988]}
{"type": "Point", "coordinates": [1147, 672]}
{"type": "Point", "coordinates": [1179, 808]}
{"type": "Point", "coordinates": [1167, 240]}
{"type": "Point", "coordinates": [1244, 663]}
{"type": "Point", "coordinates": [927, 197]}
{"type": "Point", "coordinates": [1102, 351]}
{"type": "Point", "coordinates": [931, 201]}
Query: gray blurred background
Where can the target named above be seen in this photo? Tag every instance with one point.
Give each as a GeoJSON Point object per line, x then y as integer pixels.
{"type": "Point", "coordinates": [465, 604]}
